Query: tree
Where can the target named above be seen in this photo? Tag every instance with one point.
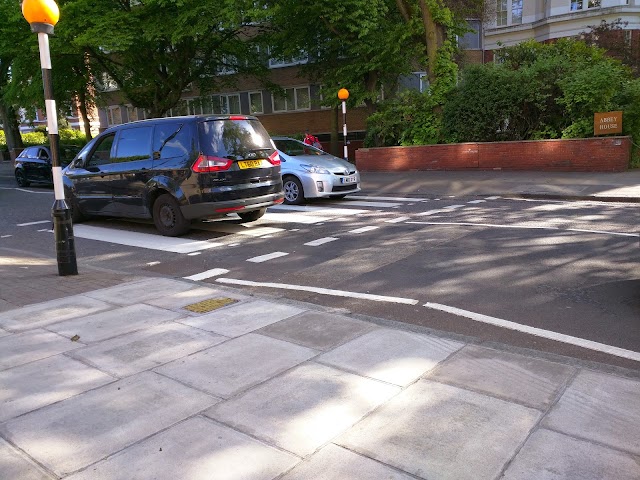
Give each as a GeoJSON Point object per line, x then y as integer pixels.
{"type": "Point", "coordinates": [617, 41]}
{"type": "Point", "coordinates": [156, 49]}
{"type": "Point", "coordinates": [14, 33]}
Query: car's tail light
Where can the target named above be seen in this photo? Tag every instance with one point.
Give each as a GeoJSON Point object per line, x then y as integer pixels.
{"type": "Point", "coordinates": [206, 163]}
{"type": "Point", "coordinates": [237, 117]}
{"type": "Point", "coordinates": [274, 158]}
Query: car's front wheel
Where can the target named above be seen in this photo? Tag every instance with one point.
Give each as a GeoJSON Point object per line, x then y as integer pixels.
{"type": "Point", "coordinates": [293, 191]}
{"type": "Point", "coordinates": [168, 218]}
{"type": "Point", "coordinates": [253, 215]}
{"type": "Point", "coordinates": [21, 178]}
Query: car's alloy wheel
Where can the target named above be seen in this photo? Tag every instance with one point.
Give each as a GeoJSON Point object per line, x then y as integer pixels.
{"type": "Point", "coordinates": [21, 179]}
{"type": "Point", "coordinates": [293, 191]}
{"type": "Point", "coordinates": [253, 215]}
{"type": "Point", "coordinates": [168, 218]}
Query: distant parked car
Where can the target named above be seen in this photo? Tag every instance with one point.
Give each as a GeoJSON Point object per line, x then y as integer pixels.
{"type": "Point", "coordinates": [177, 169]}
{"type": "Point", "coordinates": [308, 172]}
{"type": "Point", "coordinates": [33, 164]}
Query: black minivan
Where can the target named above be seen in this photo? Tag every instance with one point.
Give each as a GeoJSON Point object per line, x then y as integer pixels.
{"type": "Point", "coordinates": [175, 170]}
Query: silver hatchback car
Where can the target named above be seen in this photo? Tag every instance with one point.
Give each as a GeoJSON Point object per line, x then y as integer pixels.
{"type": "Point", "coordinates": [308, 172]}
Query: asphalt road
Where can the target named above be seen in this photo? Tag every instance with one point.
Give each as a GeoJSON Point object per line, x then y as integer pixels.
{"type": "Point", "coordinates": [489, 268]}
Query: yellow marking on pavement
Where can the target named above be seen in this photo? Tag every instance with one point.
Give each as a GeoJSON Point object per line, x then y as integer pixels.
{"type": "Point", "coordinates": [209, 305]}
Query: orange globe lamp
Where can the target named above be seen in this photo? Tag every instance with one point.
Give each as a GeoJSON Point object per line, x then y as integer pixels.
{"type": "Point", "coordinates": [41, 11]}
{"type": "Point", "coordinates": [343, 94]}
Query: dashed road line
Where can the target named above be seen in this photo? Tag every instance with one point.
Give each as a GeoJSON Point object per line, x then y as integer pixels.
{"type": "Point", "coordinates": [320, 241]}
{"type": "Point", "coordinates": [321, 291]}
{"type": "Point", "coordinates": [5, 236]}
{"type": "Point", "coordinates": [214, 272]}
{"type": "Point", "coordinates": [538, 332]}
{"type": "Point", "coordinates": [363, 229]}
{"type": "Point", "coordinates": [383, 199]}
{"type": "Point", "coordinates": [374, 204]}
{"type": "Point", "coordinates": [476, 201]}
{"type": "Point", "coordinates": [267, 257]}
{"type": "Point", "coordinates": [397, 220]}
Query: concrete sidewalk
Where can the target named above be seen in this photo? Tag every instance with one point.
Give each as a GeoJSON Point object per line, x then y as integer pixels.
{"type": "Point", "coordinates": [154, 378]}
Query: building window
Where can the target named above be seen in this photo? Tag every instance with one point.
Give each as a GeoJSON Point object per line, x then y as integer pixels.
{"type": "Point", "coordinates": [471, 40]}
{"type": "Point", "coordinates": [288, 62]}
{"type": "Point", "coordinates": [516, 12]}
{"type": "Point", "coordinates": [255, 103]}
{"type": "Point", "coordinates": [501, 13]}
{"type": "Point", "coordinates": [114, 115]}
{"type": "Point", "coordinates": [226, 104]}
{"type": "Point", "coordinates": [297, 98]}
{"type": "Point", "coordinates": [584, 4]}
{"type": "Point", "coordinates": [132, 113]}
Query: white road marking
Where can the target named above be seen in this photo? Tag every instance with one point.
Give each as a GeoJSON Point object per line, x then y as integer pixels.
{"type": "Point", "coordinates": [193, 254]}
{"type": "Point", "coordinates": [151, 264]}
{"type": "Point", "coordinates": [383, 199]}
{"type": "Point", "coordinates": [33, 223]}
{"type": "Point", "coordinates": [476, 201]}
{"type": "Point", "coordinates": [142, 240]}
{"type": "Point", "coordinates": [375, 204]}
{"type": "Point", "coordinates": [6, 236]}
{"type": "Point", "coordinates": [538, 332]}
{"type": "Point", "coordinates": [528, 227]}
{"type": "Point", "coordinates": [242, 229]}
{"type": "Point", "coordinates": [397, 220]}
{"type": "Point", "coordinates": [43, 230]}
{"type": "Point", "coordinates": [321, 241]}
{"type": "Point", "coordinates": [269, 256]}
{"type": "Point", "coordinates": [214, 272]}
{"type": "Point", "coordinates": [453, 207]}
{"type": "Point", "coordinates": [317, 210]}
{"type": "Point", "coordinates": [431, 212]}
{"type": "Point", "coordinates": [363, 229]}
{"type": "Point", "coordinates": [293, 218]}
{"type": "Point", "coordinates": [321, 291]}
{"type": "Point", "coordinates": [492, 198]}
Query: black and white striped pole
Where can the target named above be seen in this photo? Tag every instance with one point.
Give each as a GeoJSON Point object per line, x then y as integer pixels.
{"type": "Point", "coordinates": [343, 94]}
{"type": "Point", "coordinates": [42, 15]}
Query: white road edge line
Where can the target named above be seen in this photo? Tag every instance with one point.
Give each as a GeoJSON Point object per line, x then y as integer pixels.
{"type": "Point", "coordinates": [321, 291]}
{"type": "Point", "coordinates": [363, 229]}
{"type": "Point", "coordinates": [538, 332]}
{"type": "Point", "coordinates": [214, 272]}
{"type": "Point", "coordinates": [33, 223]}
{"type": "Point", "coordinates": [530, 227]}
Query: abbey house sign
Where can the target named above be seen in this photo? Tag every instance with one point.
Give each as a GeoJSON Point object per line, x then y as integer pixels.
{"type": "Point", "coordinates": [607, 122]}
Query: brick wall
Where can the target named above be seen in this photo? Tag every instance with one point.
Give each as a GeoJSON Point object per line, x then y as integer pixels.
{"type": "Point", "coordinates": [611, 154]}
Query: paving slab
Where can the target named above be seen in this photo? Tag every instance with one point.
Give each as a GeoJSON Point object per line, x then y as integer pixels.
{"type": "Point", "coordinates": [181, 299]}
{"type": "Point", "coordinates": [196, 449]}
{"type": "Point", "coordinates": [140, 290]}
{"type": "Point", "coordinates": [600, 407]}
{"type": "Point", "coordinates": [26, 347]}
{"type": "Point", "coordinates": [225, 370]}
{"type": "Point", "coordinates": [46, 313]}
{"type": "Point", "coordinates": [531, 381]}
{"type": "Point", "coordinates": [79, 431]}
{"type": "Point", "coordinates": [242, 318]}
{"type": "Point", "coordinates": [16, 465]}
{"type": "Point", "coordinates": [393, 356]}
{"type": "Point", "coordinates": [550, 455]}
{"type": "Point", "coordinates": [100, 326]}
{"type": "Point", "coordinates": [146, 349]}
{"type": "Point", "coordinates": [336, 463]}
{"type": "Point", "coordinates": [37, 384]}
{"type": "Point", "coordinates": [317, 330]}
{"type": "Point", "coordinates": [304, 408]}
{"type": "Point", "coordinates": [437, 432]}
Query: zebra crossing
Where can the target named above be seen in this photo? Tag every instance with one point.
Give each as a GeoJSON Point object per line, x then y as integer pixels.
{"type": "Point", "coordinates": [277, 221]}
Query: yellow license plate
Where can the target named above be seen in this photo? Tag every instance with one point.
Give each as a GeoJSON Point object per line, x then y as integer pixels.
{"type": "Point", "coordinates": [243, 164]}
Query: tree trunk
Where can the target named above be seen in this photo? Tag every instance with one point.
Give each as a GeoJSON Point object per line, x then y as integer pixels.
{"type": "Point", "coordinates": [434, 39]}
{"type": "Point", "coordinates": [86, 122]}
{"type": "Point", "coordinates": [11, 126]}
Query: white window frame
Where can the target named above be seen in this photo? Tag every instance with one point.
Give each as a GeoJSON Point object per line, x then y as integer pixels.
{"type": "Point", "coordinates": [251, 110]}
{"type": "Point", "coordinates": [502, 13]}
{"type": "Point", "coordinates": [288, 62]}
{"type": "Point", "coordinates": [110, 114]}
{"type": "Point", "coordinates": [295, 106]}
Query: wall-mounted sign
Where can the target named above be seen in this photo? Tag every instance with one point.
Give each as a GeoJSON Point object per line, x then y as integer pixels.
{"type": "Point", "coordinates": [607, 122]}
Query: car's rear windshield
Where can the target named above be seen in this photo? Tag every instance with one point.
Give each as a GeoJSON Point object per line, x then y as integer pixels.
{"type": "Point", "coordinates": [234, 139]}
